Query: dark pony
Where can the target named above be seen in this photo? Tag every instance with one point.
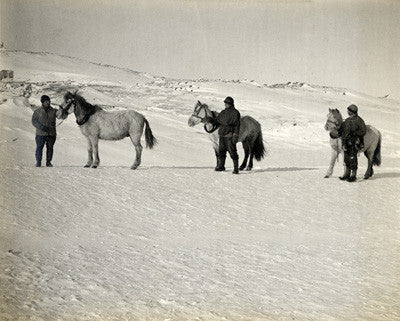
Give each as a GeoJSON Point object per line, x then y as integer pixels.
{"type": "Point", "coordinates": [250, 133]}
{"type": "Point", "coordinates": [96, 123]}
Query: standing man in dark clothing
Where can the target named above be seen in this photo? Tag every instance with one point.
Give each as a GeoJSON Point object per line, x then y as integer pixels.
{"type": "Point", "coordinates": [229, 121]}
{"type": "Point", "coordinates": [352, 132]}
{"type": "Point", "coordinates": [44, 120]}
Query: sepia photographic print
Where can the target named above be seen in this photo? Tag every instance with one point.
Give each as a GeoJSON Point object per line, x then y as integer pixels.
{"type": "Point", "coordinates": [177, 160]}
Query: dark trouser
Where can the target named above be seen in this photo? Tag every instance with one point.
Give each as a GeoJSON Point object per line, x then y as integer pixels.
{"type": "Point", "coordinates": [49, 141]}
{"type": "Point", "coordinates": [226, 145]}
{"type": "Point", "coordinates": [350, 154]}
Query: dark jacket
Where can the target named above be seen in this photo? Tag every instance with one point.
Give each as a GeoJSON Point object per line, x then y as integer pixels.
{"type": "Point", "coordinates": [352, 127]}
{"type": "Point", "coordinates": [229, 121]}
{"type": "Point", "coordinates": [45, 121]}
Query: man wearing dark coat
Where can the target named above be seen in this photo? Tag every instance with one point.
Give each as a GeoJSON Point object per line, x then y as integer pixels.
{"type": "Point", "coordinates": [352, 132]}
{"type": "Point", "coordinates": [44, 120]}
{"type": "Point", "coordinates": [229, 121]}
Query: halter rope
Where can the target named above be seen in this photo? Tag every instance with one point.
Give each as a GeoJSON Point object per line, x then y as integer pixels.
{"type": "Point", "coordinates": [63, 110]}
{"type": "Point", "coordinates": [206, 121]}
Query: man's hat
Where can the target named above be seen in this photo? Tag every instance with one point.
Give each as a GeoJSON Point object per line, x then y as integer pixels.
{"type": "Point", "coordinates": [44, 98]}
{"type": "Point", "coordinates": [229, 100]}
{"type": "Point", "coordinates": [353, 109]}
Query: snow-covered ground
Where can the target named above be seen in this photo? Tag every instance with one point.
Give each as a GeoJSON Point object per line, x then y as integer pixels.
{"type": "Point", "coordinates": [174, 240]}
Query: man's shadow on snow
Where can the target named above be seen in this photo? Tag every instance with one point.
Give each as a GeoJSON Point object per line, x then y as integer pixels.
{"type": "Point", "coordinates": [382, 175]}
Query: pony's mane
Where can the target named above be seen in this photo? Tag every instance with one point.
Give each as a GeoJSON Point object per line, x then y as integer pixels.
{"type": "Point", "coordinates": [205, 105]}
{"type": "Point", "coordinates": [87, 108]}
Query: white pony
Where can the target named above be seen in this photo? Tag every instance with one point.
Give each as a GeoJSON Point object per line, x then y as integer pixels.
{"type": "Point", "coordinates": [372, 143]}
{"type": "Point", "coordinates": [96, 123]}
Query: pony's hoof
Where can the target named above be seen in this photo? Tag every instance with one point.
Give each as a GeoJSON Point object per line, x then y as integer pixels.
{"type": "Point", "coordinates": [241, 168]}
{"type": "Point", "coordinates": [366, 177]}
{"type": "Point", "coordinates": [94, 166]}
{"type": "Point", "coordinates": [326, 176]}
{"type": "Point", "coordinates": [134, 167]}
{"type": "Point", "coordinates": [248, 169]}
{"type": "Point", "coordinates": [86, 166]}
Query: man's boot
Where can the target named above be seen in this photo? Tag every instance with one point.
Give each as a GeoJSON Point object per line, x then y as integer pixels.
{"type": "Point", "coordinates": [220, 164]}
{"type": "Point", "coordinates": [346, 174]}
{"type": "Point", "coordinates": [353, 176]}
{"type": "Point", "coordinates": [235, 166]}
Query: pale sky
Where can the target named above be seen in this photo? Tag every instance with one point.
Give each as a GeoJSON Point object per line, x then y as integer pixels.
{"type": "Point", "coordinates": [352, 43]}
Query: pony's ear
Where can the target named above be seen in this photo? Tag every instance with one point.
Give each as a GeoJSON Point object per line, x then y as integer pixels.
{"type": "Point", "coordinates": [199, 102]}
{"type": "Point", "coordinates": [330, 109]}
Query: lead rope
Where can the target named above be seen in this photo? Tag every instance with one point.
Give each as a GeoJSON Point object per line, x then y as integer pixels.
{"type": "Point", "coordinates": [66, 108]}
{"type": "Point", "coordinates": [61, 119]}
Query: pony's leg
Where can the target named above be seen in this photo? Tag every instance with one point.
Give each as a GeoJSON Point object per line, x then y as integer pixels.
{"type": "Point", "coordinates": [250, 166]}
{"type": "Point", "coordinates": [216, 156]}
{"type": "Point", "coordinates": [90, 153]}
{"type": "Point", "coordinates": [334, 156]}
{"type": "Point", "coordinates": [138, 147]}
{"type": "Point", "coordinates": [369, 172]}
{"type": "Point", "coordinates": [95, 144]}
{"type": "Point", "coordinates": [246, 149]}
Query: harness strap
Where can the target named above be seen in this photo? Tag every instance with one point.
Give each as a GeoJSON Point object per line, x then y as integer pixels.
{"type": "Point", "coordinates": [215, 126]}
{"type": "Point", "coordinates": [85, 118]}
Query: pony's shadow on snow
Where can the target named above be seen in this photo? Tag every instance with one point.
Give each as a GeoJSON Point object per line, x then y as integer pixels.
{"type": "Point", "coordinates": [279, 169]}
{"type": "Point", "coordinates": [140, 168]}
{"type": "Point", "coordinates": [175, 167]}
{"type": "Point", "coordinates": [254, 171]}
{"type": "Point", "coordinates": [382, 176]}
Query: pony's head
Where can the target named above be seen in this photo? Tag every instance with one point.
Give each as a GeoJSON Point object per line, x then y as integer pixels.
{"type": "Point", "coordinates": [81, 108]}
{"type": "Point", "coordinates": [67, 104]}
{"type": "Point", "coordinates": [334, 120]}
{"type": "Point", "coordinates": [199, 115]}
{"type": "Point", "coordinates": [69, 101]}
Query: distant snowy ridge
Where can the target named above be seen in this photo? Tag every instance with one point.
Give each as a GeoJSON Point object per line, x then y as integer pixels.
{"type": "Point", "coordinates": [34, 67]}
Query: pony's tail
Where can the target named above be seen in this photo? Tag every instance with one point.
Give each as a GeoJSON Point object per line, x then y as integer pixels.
{"type": "Point", "coordinates": [377, 160]}
{"type": "Point", "coordinates": [259, 148]}
{"type": "Point", "coordinates": [148, 134]}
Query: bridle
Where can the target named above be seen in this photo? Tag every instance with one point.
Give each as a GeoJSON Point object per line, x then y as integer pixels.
{"type": "Point", "coordinates": [64, 110]}
{"type": "Point", "coordinates": [206, 119]}
{"type": "Point", "coordinates": [196, 115]}
{"type": "Point", "coordinates": [333, 122]}
{"type": "Point", "coordinates": [70, 102]}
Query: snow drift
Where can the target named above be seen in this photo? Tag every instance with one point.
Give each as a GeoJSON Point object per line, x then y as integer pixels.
{"type": "Point", "coordinates": [176, 240]}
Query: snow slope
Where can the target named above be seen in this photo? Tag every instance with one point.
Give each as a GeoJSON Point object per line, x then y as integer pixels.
{"type": "Point", "coordinates": [175, 240]}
